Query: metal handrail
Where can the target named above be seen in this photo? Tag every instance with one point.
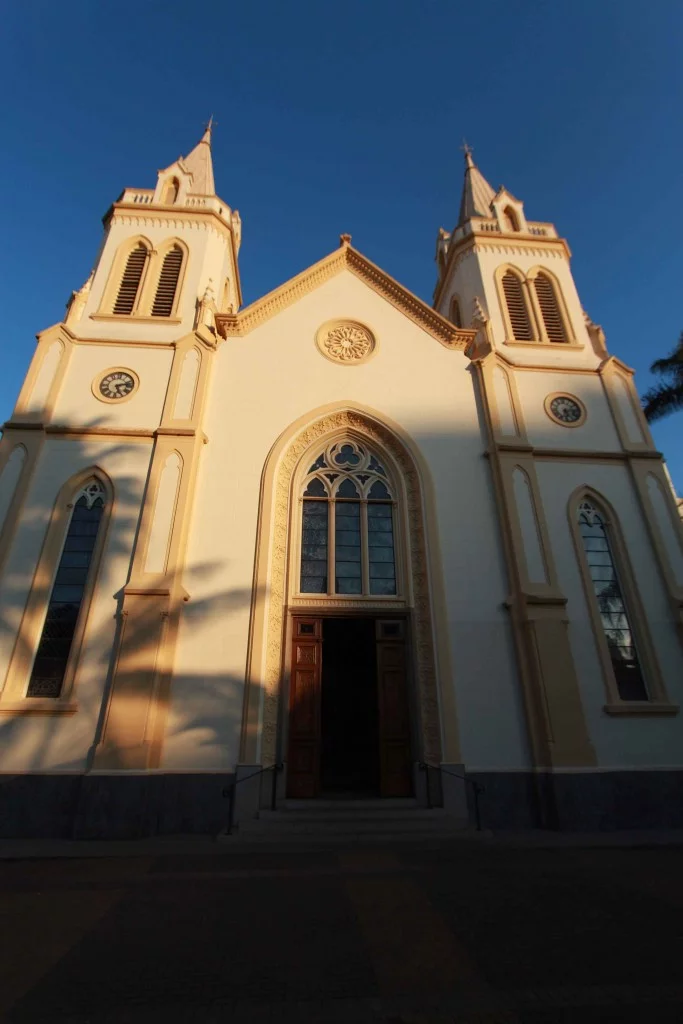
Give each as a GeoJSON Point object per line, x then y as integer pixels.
{"type": "Point", "coordinates": [477, 787]}
{"type": "Point", "coordinates": [229, 791]}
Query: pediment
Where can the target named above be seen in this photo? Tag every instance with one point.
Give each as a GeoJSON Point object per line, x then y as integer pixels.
{"type": "Point", "coordinates": [344, 258]}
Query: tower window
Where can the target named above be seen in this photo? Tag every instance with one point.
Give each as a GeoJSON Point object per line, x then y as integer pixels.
{"type": "Point", "coordinates": [550, 308]}
{"type": "Point", "coordinates": [66, 598]}
{"type": "Point", "coordinates": [168, 282]}
{"type": "Point", "coordinates": [510, 219]}
{"type": "Point", "coordinates": [614, 615]}
{"type": "Point", "coordinates": [170, 193]}
{"type": "Point", "coordinates": [518, 311]}
{"type": "Point", "coordinates": [456, 316]}
{"type": "Point", "coordinates": [130, 282]}
{"type": "Point", "coordinates": [347, 537]}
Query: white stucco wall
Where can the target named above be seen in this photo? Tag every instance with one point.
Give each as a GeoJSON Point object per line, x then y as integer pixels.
{"type": "Point", "coordinates": [61, 743]}
{"type": "Point", "coordinates": [619, 741]}
{"type": "Point", "coordinates": [262, 383]}
{"type": "Point", "coordinates": [76, 404]}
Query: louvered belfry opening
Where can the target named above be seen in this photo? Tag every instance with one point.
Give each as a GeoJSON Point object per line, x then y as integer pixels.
{"type": "Point", "coordinates": [130, 282]}
{"type": "Point", "coordinates": [517, 308]}
{"type": "Point", "coordinates": [456, 317]}
{"type": "Point", "coordinates": [168, 282]}
{"type": "Point", "coordinates": [550, 309]}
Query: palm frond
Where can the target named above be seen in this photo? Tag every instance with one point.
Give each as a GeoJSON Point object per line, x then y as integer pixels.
{"type": "Point", "coordinates": [671, 364]}
{"type": "Point", "coordinates": [662, 399]}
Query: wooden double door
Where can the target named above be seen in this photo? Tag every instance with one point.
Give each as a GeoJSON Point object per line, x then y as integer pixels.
{"type": "Point", "coordinates": [349, 722]}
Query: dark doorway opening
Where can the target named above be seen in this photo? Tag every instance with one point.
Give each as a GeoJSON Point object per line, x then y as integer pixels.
{"type": "Point", "coordinates": [349, 763]}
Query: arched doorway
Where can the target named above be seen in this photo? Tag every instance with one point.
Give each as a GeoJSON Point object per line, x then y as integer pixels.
{"type": "Point", "coordinates": [279, 602]}
{"type": "Point", "coordinates": [348, 727]}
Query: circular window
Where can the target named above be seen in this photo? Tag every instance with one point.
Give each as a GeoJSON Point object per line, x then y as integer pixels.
{"type": "Point", "coordinates": [115, 385]}
{"type": "Point", "coordinates": [567, 410]}
{"type": "Point", "coordinates": [345, 341]}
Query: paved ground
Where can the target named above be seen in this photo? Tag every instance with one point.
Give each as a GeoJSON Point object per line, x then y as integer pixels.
{"type": "Point", "coordinates": [416, 933]}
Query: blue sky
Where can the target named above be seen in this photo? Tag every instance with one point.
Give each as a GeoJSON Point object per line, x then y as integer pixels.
{"type": "Point", "coordinates": [348, 117]}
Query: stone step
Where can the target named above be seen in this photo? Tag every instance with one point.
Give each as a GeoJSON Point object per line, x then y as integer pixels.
{"type": "Point", "coordinates": [360, 815]}
{"type": "Point", "coordinates": [362, 804]}
{"type": "Point", "coordinates": [348, 824]}
{"type": "Point", "coordinates": [322, 839]}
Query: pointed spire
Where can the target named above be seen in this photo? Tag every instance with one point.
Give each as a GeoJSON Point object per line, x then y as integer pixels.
{"type": "Point", "coordinates": [476, 191]}
{"type": "Point", "coordinates": [200, 165]}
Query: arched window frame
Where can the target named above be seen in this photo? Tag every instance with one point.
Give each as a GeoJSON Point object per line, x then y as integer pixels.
{"type": "Point", "coordinates": [116, 272]}
{"type": "Point", "coordinates": [559, 302]}
{"type": "Point", "coordinates": [530, 307]}
{"type": "Point", "coordinates": [657, 699]}
{"type": "Point", "coordinates": [511, 219]}
{"type": "Point", "coordinates": [455, 311]}
{"type": "Point", "coordinates": [397, 500]}
{"type": "Point", "coordinates": [170, 191]}
{"type": "Point", "coordinates": [14, 695]}
{"type": "Point", "coordinates": [155, 275]}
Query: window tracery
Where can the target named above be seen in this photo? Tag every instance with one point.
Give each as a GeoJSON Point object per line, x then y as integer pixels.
{"type": "Point", "coordinates": [66, 597]}
{"type": "Point", "coordinates": [348, 532]}
{"type": "Point", "coordinates": [614, 614]}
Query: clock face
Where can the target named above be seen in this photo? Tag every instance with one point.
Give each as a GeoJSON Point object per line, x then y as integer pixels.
{"type": "Point", "coordinates": [117, 384]}
{"type": "Point", "coordinates": [565, 409]}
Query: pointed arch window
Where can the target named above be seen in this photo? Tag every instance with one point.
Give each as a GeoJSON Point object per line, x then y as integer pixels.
{"type": "Point", "coordinates": [510, 219]}
{"type": "Point", "coordinates": [66, 598]}
{"type": "Point", "coordinates": [171, 190]}
{"type": "Point", "coordinates": [549, 304]}
{"type": "Point", "coordinates": [456, 315]}
{"type": "Point", "coordinates": [517, 308]}
{"type": "Point", "coordinates": [615, 617]}
{"type": "Point", "coordinates": [164, 300]}
{"type": "Point", "coordinates": [129, 289]}
{"type": "Point", "coordinates": [348, 529]}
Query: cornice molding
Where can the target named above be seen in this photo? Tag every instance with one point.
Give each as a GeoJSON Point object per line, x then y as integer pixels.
{"type": "Point", "coordinates": [513, 245]}
{"type": "Point", "coordinates": [344, 258]}
{"type": "Point", "coordinates": [588, 455]}
{"type": "Point", "coordinates": [208, 220]}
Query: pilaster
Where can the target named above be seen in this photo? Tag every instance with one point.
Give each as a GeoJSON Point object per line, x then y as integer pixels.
{"type": "Point", "coordinates": [556, 726]}
{"type": "Point", "coordinates": [137, 710]}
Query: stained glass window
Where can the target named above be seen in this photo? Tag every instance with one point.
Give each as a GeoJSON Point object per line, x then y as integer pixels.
{"type": "Point", "coordinates": [52, 656]}
{"type": "Point", "coordinates": [347, 543]}
{"type": "Point", "coordinates": [616, 622]}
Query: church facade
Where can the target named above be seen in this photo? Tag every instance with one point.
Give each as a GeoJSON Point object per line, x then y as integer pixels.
{"type": "Point", "coordinates": [338, 529]}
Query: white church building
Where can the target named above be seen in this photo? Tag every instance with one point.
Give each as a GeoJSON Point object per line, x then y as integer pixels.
{"type": "Point", "coordinates": [338, 529]}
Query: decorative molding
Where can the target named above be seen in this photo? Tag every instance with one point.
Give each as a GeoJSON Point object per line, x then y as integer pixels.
{"type": "Point", "coordinates": [128, 318]}
{"type": "Point", "coordinates": [426, 681]}
{"type": "Point", "coordinates": [195, 217]}
{"type": "Point", "coordinates": [641, 707]}
{"type": "Point", "coordinates": [344, 258]}
{"type": "Point", "coordinates": [346, 342]}
{"type": "Point", "coordinates": [571, 453]}
{"type": "Point", "coordinates": [472, 244]}
{"type": "Point", "coordinates": [367, 603]}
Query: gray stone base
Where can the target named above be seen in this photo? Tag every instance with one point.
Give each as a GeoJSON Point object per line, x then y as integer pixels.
{"type": "Point", "coordinates": [579, 802]}
{"type": "Point", "coordinates": [112, 806]}
{"type": "Point", "coordinates": [130, 805]}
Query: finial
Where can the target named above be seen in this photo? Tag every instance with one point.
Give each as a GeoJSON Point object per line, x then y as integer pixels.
{"type": "Point", "coordinates": [467, 150]}
{"type": "Point", "coordinates": [344, 240]}
{"type": "Point", "coordinates": [206, 137]}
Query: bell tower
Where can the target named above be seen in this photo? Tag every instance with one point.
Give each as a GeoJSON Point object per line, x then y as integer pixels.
{"type": "Point", "coordinates": [499, 269]}
{"type": "Point", "coordinates": [118, 391]}
{"type": "Point", "coordinates": [540, 366]}
{"type": "Point", "coordinates": [167, 251]}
